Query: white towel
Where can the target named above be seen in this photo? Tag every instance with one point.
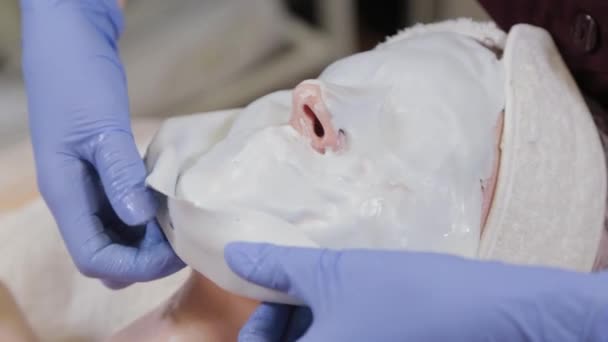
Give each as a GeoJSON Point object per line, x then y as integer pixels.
{"type": "Point", "coordinates": [549, 204]}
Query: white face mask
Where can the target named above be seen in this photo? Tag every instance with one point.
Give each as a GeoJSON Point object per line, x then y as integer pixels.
{"type": "Point", "coordinates": [418, 117]}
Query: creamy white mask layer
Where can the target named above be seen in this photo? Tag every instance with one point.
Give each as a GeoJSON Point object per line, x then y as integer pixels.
{"type": "Point", "coordinates": [418, 116]}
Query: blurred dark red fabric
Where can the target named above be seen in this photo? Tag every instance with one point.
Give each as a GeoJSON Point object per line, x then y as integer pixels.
{"type": "Point", "coordinates": [579, 28]}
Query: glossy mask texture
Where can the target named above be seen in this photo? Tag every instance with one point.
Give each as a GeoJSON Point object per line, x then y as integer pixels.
{"type": "Point", "coordinates": [419, 118]}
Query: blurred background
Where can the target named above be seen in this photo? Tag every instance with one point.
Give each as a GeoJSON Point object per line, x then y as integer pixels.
{"type": "Point", "coordinates": [187, 56]}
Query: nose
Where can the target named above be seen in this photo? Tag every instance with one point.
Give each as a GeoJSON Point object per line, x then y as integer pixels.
{"type": "Point", "coordinates": [311, 118]}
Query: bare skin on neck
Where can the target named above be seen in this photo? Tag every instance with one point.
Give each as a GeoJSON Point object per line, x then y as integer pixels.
{"type": "Point", "coordinates": [199, 311]}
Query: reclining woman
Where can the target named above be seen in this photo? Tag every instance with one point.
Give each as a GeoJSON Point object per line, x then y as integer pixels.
{"type": "Point", "coordinates": [445, 138]}
{"type": "Point", "coordinates": [450, 137]}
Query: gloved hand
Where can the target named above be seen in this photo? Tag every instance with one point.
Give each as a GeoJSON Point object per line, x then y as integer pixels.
{"type": "Point", "coordinates": [88, 167]}
{"type": "Point", "coordinates": [398, 296]}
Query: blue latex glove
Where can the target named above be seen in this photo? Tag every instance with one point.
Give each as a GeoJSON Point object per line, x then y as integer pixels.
{"type": "Point", "coordinates": [398, 296]}
{"type": "Point", "coordinates": [88, 167]}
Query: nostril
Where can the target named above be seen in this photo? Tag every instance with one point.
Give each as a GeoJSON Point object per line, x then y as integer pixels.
{"type": "Point", "coordinates": [316, 124]}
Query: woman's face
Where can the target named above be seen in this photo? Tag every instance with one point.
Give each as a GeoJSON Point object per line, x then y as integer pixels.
{"type": "Point", "coordinates": [386, 149]}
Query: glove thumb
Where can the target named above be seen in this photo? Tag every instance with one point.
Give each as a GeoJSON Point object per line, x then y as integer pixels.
{"type": "Point", "coordinates": [291, 270]}
{"type": "Point", "coordinates": [123, 175]}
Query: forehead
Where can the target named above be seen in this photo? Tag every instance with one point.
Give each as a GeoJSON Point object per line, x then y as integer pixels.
{"type": "Point", "coordinates": [354, 69]}
{"type": "Point", "coordinates": [406, 59]}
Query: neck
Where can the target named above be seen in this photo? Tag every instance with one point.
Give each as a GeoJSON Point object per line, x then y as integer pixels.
{"type": "Point", "coordinates": [198, 311]}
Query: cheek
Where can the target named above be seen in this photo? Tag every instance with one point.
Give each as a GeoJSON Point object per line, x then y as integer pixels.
{"type": "Point", "coordinates": [488, 186]}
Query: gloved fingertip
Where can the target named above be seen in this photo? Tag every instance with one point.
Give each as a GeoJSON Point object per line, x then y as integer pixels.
{"type": "Point", "coordinates": [266, 324]}
{"type": "Point", "coordinates": [273, 267]}
{"type": "Point", "coordinates": [299, 323]}
{"type": "Point", "coordinates": [242, 256]}
{"type": "Point", "coordinates": [153, 236]}
{"type": "Point", "coordinates": [313, 336]}
{"type": "Point", "coordinates": [115, 285]}
{"type": "Point", "coordinates": [157, 261]}
{"type": "Point", "coordinates": [137, 207]}
{"type": "Point", "coordinates": [175, 265]}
